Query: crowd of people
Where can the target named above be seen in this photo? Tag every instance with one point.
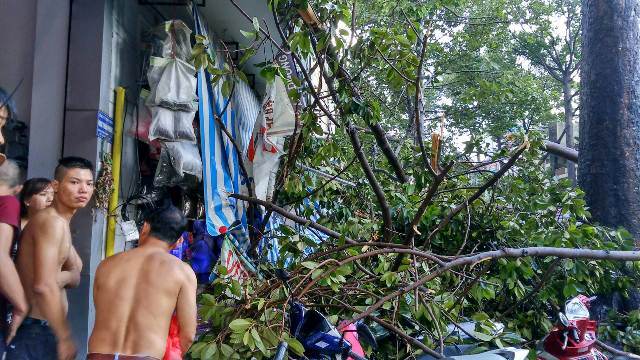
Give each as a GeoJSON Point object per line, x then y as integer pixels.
{"type": "Point", "coordinates": [136, 293]}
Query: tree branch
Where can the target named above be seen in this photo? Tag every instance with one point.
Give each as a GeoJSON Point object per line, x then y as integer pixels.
{"type": "Point", "coordinates": [293, 217]}
{"type": "Point", "coordinates": [503, 170]}
{"type": "Point", "coordinates": [565, 253]}
{"type": "Point", "coordinates": [416, 111]}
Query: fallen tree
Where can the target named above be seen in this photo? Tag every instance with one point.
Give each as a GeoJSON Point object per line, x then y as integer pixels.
{"type": "Point", "coordinates": [412, 237]}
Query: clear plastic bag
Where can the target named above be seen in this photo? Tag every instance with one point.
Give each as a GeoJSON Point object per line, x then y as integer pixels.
{"type": "Point", "coordinates": [171, 125]}
{"type": "Point", "coordinates": [172, 39]}
{"type": "Point", "coordinates": [173, 84]}
{"type": "Point", "coordinates": [177, 160]}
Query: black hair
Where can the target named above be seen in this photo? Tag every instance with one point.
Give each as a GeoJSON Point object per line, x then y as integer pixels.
{"type": "Point", "coordinates": [6, 100]}
{"type": "Point", "coordinates": [71, 162]}
{"type": "Point", "coordinates": [31, 187]}
{"type": "Point", "coordinates": [167, 223]}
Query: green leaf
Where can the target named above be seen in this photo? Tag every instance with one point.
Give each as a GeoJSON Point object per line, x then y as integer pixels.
{"type": "Point", "coordinates": [256, 24]}
{"type": "Point", "coordinates": [258, 340]}
{"type": "Point", "coordinates": [316, 273]}
{"type": "Point", "coordinates": [310, 264]}
{"type": "Point", "coordinates": [247, 55]}
{"type": "Point", "coordinates": [295, 345]}
{"type": "Point", "coordinates": [251, 35]}
{"type": "Point", "coordinates": [226, 350]}
{"type": "Point", "coordinates": [226, 88]}
{"type": "Point", "coordinates": [196, 349]}
{"type": "Point", "coordinates": [209, 350]}
{"type": "Point", "coordinates": [239, 325]}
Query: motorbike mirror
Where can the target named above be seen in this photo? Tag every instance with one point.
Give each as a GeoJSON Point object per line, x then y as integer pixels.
{"type": "Point", "coordinates": [563, 319]}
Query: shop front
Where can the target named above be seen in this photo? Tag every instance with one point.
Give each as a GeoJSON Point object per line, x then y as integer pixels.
{"type": "Point", "coordinates": [172, 147]}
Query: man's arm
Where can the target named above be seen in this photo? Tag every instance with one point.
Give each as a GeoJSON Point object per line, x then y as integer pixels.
{"type": "Point", "coordinates": [48, 236]}
{"type": "Point", "coordinates": [69, 277]}
{"type": "Point", "coordinates": [10, 285]}
{"type": "Point", "coordinates": [186, 310]}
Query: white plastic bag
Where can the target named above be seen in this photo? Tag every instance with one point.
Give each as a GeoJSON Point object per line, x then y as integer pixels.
{"type": "Point", "coordinates": [171, 125]}
{"type": "Point", "coordinates": [277, 117]}
{"type": "Point", "coordinates": [173, 84]}
{"type": "Point", "coordinates": [275, 121]}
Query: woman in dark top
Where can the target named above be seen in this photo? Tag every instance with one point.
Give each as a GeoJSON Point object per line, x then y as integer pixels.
{"type": "Point", "coordinates": [36, 194]}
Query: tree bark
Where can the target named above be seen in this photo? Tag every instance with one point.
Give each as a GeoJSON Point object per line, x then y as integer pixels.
{"type": "Point", "coordinates": [609, 163]}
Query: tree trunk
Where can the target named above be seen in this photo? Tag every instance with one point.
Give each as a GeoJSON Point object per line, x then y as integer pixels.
{"type": "Point", "coordinates": [568, 124]}
{"type": "Point", "coordinates": [609, 170]}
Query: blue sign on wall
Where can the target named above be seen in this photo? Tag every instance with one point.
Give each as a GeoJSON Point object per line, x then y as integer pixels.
{"type": "Point", "coordinates": [104, 130]}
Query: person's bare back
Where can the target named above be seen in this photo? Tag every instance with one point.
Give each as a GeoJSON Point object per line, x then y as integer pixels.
{"type": "Point", "coordinates": [135, 295]}
{"type": "Point", "coordinates": [47, 226]}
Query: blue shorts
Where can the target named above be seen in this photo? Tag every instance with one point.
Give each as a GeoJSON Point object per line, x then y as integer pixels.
{"type": "Point", "coordinates": [34, 341]}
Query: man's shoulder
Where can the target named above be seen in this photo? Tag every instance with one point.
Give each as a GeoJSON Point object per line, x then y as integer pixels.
{"type": "Point", "coordinates": [49, 218]}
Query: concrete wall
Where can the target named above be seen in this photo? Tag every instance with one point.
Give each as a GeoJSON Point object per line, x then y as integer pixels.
{"type": "Point", "coordinates": [87, 93]}
{"type": "Point", "coordinates": [48, 97]}
{"type": "Point", "coordinates": [17, 33]}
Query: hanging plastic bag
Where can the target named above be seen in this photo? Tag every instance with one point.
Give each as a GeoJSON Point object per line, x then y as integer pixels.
{"type": "Point", "coordinates": [282, 120]}
{"type": "Point", "coordinates": [277, 118]}
{"type": "Point", "coordinates": [173, 84]}
{"type": "Point", "coordinates": [171, 125]}
{"type": "Point", "coordinates": [177, 160]}
{"type": "Point", "coordinates": [172, 39]}
{"type": "Point", "coordinates": [264, 170]}
{"type": "Point", "coordinates": [275, 121]}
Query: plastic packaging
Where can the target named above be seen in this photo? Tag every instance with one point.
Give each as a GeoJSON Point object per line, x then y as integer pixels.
{"type": "Point", "coordinates": [173, 84]}
{"type": "Point", "coordinates": [172, 39]}
{"type": "Point", "coordinates": [171, 125]}
{"type": "Point", "coordinates": [176, 160]}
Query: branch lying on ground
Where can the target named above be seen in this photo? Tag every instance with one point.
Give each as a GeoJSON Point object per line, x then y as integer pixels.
{"type": "Point", "coordinates": [565, 253]}
{"type": "Point", "coordinates": [616, 351]}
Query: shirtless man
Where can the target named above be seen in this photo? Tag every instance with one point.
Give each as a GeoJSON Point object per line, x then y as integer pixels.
{"type": "Point", "coordinates": [48, 263]}
{"type": "Point", "coordinates": [136, 293]}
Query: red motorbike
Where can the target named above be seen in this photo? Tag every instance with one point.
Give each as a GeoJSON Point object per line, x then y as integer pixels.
{"type": "Point", "coordinates": [574, 337]}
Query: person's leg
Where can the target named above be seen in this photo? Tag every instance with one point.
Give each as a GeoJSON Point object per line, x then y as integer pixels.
{"type": "Point", "coordinates": [33, 341]}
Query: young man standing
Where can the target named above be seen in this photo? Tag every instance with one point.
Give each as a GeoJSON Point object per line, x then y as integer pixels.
{"type": "Point", "coordinates": [48, 263]}
{"type": "Point", "coordinates": [136, 292]}
{"type": "Point", "coordinates": [10, 287]}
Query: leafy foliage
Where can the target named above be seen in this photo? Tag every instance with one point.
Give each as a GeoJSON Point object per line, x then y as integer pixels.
{"type": "Point", "coordinates": [368, 74]}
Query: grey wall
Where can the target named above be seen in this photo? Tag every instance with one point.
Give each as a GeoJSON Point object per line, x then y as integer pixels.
{"type": "Point", "coordinates": [48, 97]}
{"type": "Point", "coordinates": [87, 93]}
{"type": "Point", "coordinates": [17, 31]}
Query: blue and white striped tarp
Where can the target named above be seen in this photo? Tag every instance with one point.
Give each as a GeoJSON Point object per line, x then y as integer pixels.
{"type": "Point", "coordinates": [247, 108]}
{"type": "Point", "coordinates": [221, 168]}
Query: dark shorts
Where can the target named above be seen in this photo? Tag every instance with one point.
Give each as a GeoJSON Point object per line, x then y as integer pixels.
{"type": "Point", "coordinates": [3, 348]}
{"type": "Point", "coordinates": [96, 356]}
{"type": "Point", "coordinates": [34, 341]}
